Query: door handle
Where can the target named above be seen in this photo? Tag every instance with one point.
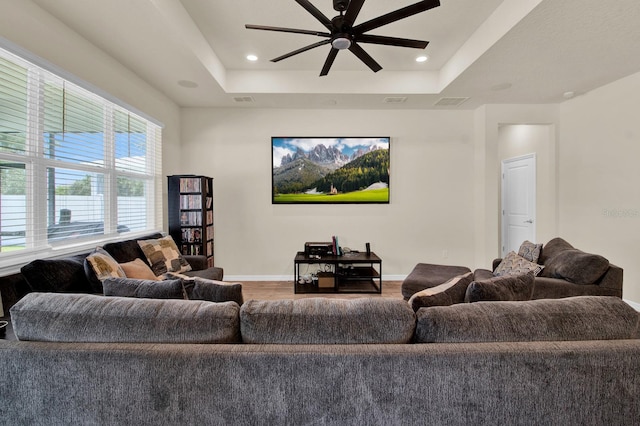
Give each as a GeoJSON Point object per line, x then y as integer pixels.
{"type": "Point", "coordinates": [528, 221]}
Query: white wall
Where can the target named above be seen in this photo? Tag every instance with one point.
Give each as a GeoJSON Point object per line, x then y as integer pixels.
{"type": "Point", "coordinates": [516, 140]}
{"type": "Point", "coordinates": [599, 176]}
{"type": "Point", "coordinates": [431, 209]}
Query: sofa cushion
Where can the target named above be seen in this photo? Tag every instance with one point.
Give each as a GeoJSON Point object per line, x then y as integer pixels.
{"type": "Point", "coordinates": [515, 264]}
{"type": "Point", "coordinates": [327, 321]}
{"type": "Point", "coordinates": [482, 274]}
{"type": "Point", "coordinates": [163, 255]}
{"type": "Point", "coordinates": [138, 269]}
{"type": "Point", "coordinates": [149, 289]}
{"type": "Point", "coordinates": [576, 266]}
{"type": "Point", "coordinates": [128, 250]}
{"type": "Point", "coordinates": [506, 287]}
{"type": "Point", "coordinates": [445, 294]}
{"type": "Point", "coordinates": [574, 318]}
{"type": "Point", "coordinates": [552, 248]}
{"type": "Point", "coordinates": [530, 251]}
{"type": "Point", "coordinates": [59, 317]}
{"type": "Point", "coordinates": [425, 275]}
{"type": "Point", "coordinates": [211, 273]}
{"type": "Point", "coordinates": [58, 275]}
{"type": "Point", "coordinates": [213, 291]}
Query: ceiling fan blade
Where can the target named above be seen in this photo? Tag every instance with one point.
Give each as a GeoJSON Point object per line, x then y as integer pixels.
{"type": "Point", "coordinates": [327, 64]}
{"type": "Point", "coordinates": [316, 13]}
{"type": "Point", "coordinates": [352, 11]}
{"type": "Point", "coordinates": [364, 57]}
{"type": "Point", "coordinates": [391, 41]}
{"type": "Point", "coordinates": [286, 30]}
{"type": "Point", "coordinates": [303, 49]}
{"type": "Point", "coordinates": [405, 12]}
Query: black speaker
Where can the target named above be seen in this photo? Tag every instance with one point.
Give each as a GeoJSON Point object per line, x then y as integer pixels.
{"type": "Point", "coordinates": [368, 249]}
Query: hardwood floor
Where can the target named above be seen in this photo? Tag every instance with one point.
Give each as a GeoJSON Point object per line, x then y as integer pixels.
{"type": "Point", "coordinates": [272, 290]}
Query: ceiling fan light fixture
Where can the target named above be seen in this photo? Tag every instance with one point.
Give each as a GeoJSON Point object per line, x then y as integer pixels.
{"type": "Point", "coordinates": [341, 42]}
{"type": "Point", "coordinates": [344, 34]}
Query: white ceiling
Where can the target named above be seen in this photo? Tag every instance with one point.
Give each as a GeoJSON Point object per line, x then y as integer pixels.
{"type": "Point", "coordinates": [490, 51]}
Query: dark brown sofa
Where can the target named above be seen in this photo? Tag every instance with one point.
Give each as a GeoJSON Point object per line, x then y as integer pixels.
{"type": "Point", "coordinates": [571, 272]}
{"type": "Point", "coordinates": [567, 272]}
{"type": "Point", "coordinates": [70, 275]}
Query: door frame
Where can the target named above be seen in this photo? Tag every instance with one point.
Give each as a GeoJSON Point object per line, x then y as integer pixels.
{"type": "Point", "coordinates": [503, 199]}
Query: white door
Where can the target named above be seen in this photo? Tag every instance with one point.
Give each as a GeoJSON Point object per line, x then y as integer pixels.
{"type": "Point", "coordinates": [518, 202]}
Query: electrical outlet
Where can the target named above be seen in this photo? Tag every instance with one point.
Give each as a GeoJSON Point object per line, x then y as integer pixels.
{"type": "Point", "coordinates": [445, 253]}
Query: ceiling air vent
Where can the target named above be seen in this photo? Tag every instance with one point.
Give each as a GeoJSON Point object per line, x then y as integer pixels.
{"type": "Point", "coordinates": [395, 99]}
{"type": "Point", "coordinates": [243, 99]}
{"type": "Point", "coordinates": [450, 102]}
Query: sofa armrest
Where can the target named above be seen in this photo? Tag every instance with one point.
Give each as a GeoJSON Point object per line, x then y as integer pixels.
{"type": "Point", "coordinates": [197, 262]}
{"type": "Point", "coordinates": [612, 278]}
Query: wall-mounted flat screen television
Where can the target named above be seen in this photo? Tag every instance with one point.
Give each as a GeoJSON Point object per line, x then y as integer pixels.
{"type": "Point", "coordinates": [334, 170]}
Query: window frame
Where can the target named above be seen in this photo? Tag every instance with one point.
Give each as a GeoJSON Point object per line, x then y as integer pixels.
{"type": "Point", "coordinates": [36, 164]}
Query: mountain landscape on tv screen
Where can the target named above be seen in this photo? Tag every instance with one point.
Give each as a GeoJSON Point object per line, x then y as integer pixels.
{"type": "Point", "coordinates": [328, 174]}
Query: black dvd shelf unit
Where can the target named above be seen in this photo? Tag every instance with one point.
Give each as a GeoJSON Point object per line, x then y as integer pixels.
{"type": "Point", "coordinates": [191, 214]}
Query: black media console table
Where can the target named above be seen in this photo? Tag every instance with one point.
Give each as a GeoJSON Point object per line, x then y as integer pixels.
{"type": "Point", "coordinates": [352, 272]}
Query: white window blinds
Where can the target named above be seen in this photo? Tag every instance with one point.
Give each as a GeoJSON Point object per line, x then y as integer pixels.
{"type": "Point", "coordinates": [74, 166]}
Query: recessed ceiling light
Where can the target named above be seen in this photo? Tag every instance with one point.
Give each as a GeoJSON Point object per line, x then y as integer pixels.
{"type": "Point", "coordinates": [422, 59]}
{"type": "Point", "coordinates": [252, 58]}
{"type": "Point", "coordinates": [188, 84]}
{"type": "Point", "coordinates": [501, 86]}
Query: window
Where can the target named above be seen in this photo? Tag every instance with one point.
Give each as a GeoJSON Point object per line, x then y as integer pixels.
{"type": "Point", "coordinates": [74, 167]}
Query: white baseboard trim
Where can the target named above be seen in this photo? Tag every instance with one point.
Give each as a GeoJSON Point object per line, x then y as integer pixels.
{"type": "Point", "coordinates": [393, 277]}
{"type": "Point", "coordinates": [634, 305]}
{"type": "Point", "coordinates": [241, 278]}
{"type": "Point", "coordinates": [258, 278]}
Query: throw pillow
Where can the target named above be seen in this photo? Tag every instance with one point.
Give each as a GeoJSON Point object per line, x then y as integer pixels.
{"type": "Point", "coordinates": [530, 251]}
{"type": "Point", "coordinates": [138, 269]}
{"type": "Point", "coordinates": [445, 294]}
{"type": "Point", "coordinates": [577, 266]}
{"type": "Point", "coordinates": [505, 288]}
{"type": "Point", "coordinates": [552, 248]}
{"type": "Point", "coordinates": [514, 264]}
{"type": "Point", "coordinates": [213, 291]}
{"type": "Point", "coordinates": [147, 289]}
{"type": "Point", "coordinates": [163, 255]}
{"type": "Point", "coordinates": [103, 265]}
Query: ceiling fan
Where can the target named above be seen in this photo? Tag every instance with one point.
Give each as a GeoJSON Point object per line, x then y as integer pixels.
{"type": "Point", "coordinates": [343, 34]}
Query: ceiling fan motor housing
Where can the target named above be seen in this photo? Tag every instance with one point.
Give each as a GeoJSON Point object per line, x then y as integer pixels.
{"type": "Point", "coordinates": [341, 37]}
{"type": "Point", "coordinates": [340, 5]}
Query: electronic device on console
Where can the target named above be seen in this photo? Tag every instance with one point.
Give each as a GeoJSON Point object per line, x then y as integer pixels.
{"type": "Point", "coordinates": [318, 249]}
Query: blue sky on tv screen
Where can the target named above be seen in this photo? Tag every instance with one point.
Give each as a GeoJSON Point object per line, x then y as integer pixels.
{"type": "Point", "coordinates": [283, 146]}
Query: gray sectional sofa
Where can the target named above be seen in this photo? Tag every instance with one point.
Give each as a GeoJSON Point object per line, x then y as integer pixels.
{"type": "Point", "coordinates": [95, 360]}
